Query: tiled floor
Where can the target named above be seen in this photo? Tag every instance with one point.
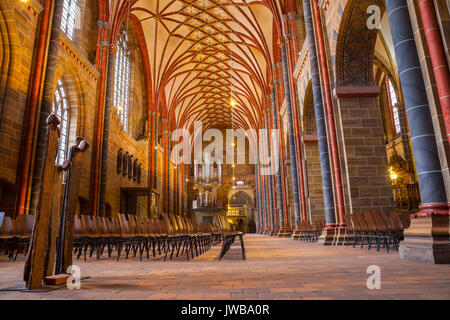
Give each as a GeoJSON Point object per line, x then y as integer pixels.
{"type": "Point", "coordinates": [276, 269]}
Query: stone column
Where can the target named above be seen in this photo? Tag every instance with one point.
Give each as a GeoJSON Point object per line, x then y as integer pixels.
{"type": "Point", "coordinates": [264, 192]}
{"type": "Point", "coordinates": [292, 149]}
{"type": "Point", "coordinates": [258, 205]}
{"type": "Point", "coordinates": [169, 200]}
{"type": "Point", "coordinates": [47, 99]}
{"type": "Point", "coordinates": [269, 155]}
{"type": "Point", "coordinates": [438, 57]}
{"type": "Point", "coordinates": [107, 116]}
{"type": "Point", "coordinates": [322, 136]}
{"type": "Point", "coordinates": [281, 189]}
{"type": "Point", "coordinates": [427, 238]}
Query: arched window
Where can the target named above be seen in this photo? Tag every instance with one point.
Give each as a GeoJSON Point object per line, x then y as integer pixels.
{"type": "Point", "coordinates": [60, 107]}
{"type": "Point", "coordinates": [121, 97]}
{"type": "Point", "coordinates": [69, 17]}
{"type": "Point", "coordinates": [393, 101]}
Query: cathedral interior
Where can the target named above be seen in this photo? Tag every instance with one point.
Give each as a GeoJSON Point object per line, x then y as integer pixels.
{"type": "Point", "coordinates": [235, 140]}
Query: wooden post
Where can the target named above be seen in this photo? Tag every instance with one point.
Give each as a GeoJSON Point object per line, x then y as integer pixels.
{"type": "Point", "coordinates": [34, 270]}
{"type": "Point", "coordinates": [69, 206]}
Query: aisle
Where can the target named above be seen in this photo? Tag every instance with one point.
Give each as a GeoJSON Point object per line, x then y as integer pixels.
{"type": "Point", "coordinates": [276, 269]}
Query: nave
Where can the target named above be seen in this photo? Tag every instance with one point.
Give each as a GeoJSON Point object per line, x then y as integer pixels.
{"type": "Point", "coordinates": [276, 268]}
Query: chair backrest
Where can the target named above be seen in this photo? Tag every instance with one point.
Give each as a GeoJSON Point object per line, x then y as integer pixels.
{"type": "Point", "coordinates": [169, 228]}
{"type": "Point", "coordinates": [123, 223]}
{"type": "Point", "coordinates": [387, 222]}
{"type": "Point", "coordinates": [355, 222]}
{"type": "Point", "coordinates": [146, 225]}
{"type": "Point", "coordinates": [157, 226]}
{"type": "Point", "coordinates": [153, 229]}
{"type": "Point", "coordinates": [107, 226]}
{"type": "Point", "coordinates": [372, 227]}
{"type": "Point", "coordinates": [25, 225]}
{"type": "Point", "coordinates": [98, 225]}
{"type": "Point", "coordinates": [379, 221]}
{"type": "Point", "coordinates": [7, 228]}
{"type": "Point", "coordinates": [396, 221]}
{"type": "Point", "coordinates": [132, 223]}
{"type": "Point", "coordinates": [177, 228]}
{"type": "Point", "coordinates": [362, 222]}
{"type": "Point", "coordinates": [185, 227]}
{"type": "Point", "coordinates": [77, 228]}
{"type": "Point", "coordinates": [87, 224]}
{"type": "Point", "coordinates": [195, 226]}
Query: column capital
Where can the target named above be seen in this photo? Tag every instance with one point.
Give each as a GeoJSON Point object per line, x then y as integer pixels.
{"type": "Point", "coordinates": [292, 14]}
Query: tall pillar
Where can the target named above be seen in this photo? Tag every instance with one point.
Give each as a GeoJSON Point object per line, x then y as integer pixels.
{"type": "Point", "coordinates": [155, 151]}
{"type": "Point", "coordinates": [47, 99]}
{"type": "Point", "coordinates": [105, 141]}
{"type": "Point", "coordinates": [268, 211]}
{"type": "Point", "coordinates": [292, 149]}
{"type": "Point", "coordinates": [263, 193]}
{"type": "Point", "coordinates": [295, 120]}
{"type": "Point", "coordinates": [327, 182]}
{"type": "Point", "coordinates": [33, 108]}
{"type": "Point", "coordinates": [269, 155]}
{"type": "Point", "coordinates": [330, 114]}
{"type": "Point", "coordinates": [102, 65]}
{"type": "Point", "coordinates": [169, 200]}
{"type": "Point", "coordinates": [427, 238]}
{"type": "Point", "coordinates": [278, 147]}
{"type": "Point", "coordinates": [280, 97]}
{"type": "Point", "coordinates": [438, 57]}
{"type": "Point", "coordinates": [164, 195]}
{"type": "Point", "coordinates": [258, 202]}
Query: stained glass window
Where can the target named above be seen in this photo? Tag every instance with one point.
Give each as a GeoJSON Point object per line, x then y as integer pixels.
{"type": "Point", "coordinates": [69, 17]}
{"type": "Point", "coordinates": [121, 97]}
{"type": "Point", "coordinates": [60, 107]}
{"type": "Point", "coordinates": [394, 102]}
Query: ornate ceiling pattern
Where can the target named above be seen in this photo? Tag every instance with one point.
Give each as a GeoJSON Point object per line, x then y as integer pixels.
{"type": "Point", "coordinates": [203, 54]}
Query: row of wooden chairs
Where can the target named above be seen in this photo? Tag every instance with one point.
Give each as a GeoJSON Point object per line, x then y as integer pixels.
{"type": "Point", "coordinates": [15, 235]}
{"type": "Point", "coordinates": [306, 231]}
{"type": "Point", "coordinates": [136, 234]}
{"type": "Point", "coordinates": [229, 235]}
{"type": "Point", "coordinates": [374, 225]}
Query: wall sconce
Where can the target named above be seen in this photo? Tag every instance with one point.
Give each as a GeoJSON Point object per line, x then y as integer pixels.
{"type": "Point", "coordinates": [392, 174]}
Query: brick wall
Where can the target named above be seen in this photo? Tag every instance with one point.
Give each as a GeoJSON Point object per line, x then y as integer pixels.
{"type": "Point", "coordinates": [363, 156]}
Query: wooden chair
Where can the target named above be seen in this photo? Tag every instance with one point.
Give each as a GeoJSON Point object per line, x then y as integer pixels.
{"type": "Point", "coordinates": [8, 236]}
{"type": "Point", "coordinates": [25, 225]}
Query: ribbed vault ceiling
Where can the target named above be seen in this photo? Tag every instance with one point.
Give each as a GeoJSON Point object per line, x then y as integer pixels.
{"type": "Point", "coordinates": [203, 53]}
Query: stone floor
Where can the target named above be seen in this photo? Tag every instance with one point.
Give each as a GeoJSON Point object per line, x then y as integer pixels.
{"type": "Point", "coordinates": [276, 269]}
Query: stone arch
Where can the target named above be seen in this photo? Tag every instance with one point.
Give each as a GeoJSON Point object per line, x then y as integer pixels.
{"type": "Point", "coordinates": [241, 197]}
{"type": "Point", "coordinates": [12, 95]}
{"type": "Point", "coordinates": [356, 44]}
{"type": "Point", "coordinates": [234, 192]}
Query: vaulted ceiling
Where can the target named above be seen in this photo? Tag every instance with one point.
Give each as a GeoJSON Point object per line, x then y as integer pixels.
{"type": "Point", "coordinates": [205, 53]}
